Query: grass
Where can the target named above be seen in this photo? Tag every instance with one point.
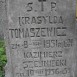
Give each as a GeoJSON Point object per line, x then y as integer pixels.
{"type": "Point", "coordinates": [2, 58]}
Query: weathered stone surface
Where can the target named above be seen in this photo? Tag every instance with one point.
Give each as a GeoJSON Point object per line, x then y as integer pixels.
{"type": "Point", "coordinates": [2, 9]}
{"type": "Point", "coordinates": [41, 38]}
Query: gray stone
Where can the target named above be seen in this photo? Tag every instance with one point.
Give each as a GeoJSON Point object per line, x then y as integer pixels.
{"type": "Point", "coordinates": [41, 38]}
{"type": "Point", "coordinates": [2, 9]}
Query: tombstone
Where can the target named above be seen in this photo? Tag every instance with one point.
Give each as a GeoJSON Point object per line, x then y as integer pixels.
{"type": "Point", "coordinates": [40, 38]}
{"type": "Point", "coordinates": [2, 17]}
